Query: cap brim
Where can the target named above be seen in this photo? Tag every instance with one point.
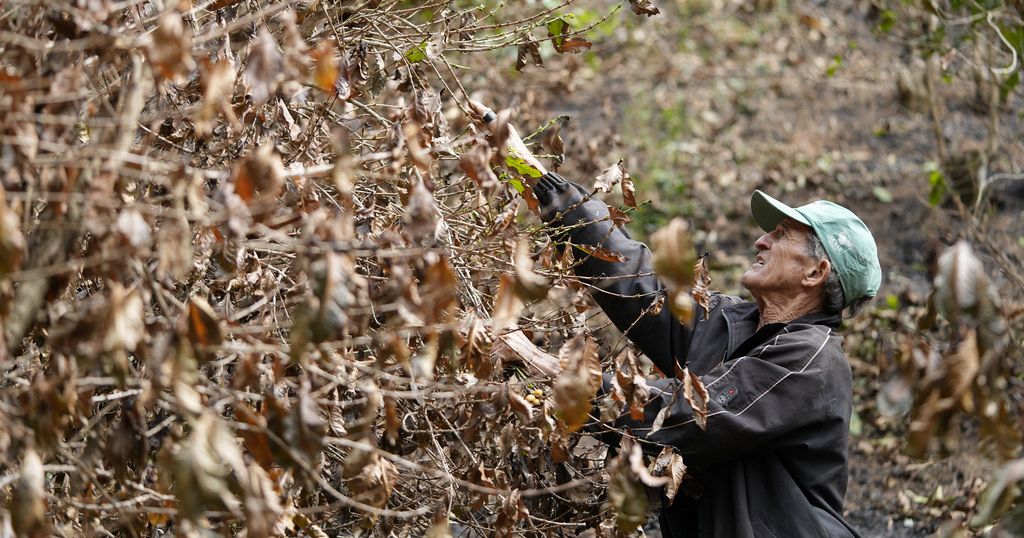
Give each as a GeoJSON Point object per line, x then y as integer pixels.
{"type": "Point", "coordinates": [768, 211]}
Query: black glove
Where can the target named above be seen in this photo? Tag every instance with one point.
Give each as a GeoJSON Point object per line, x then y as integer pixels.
{"type": "Point", "coordinates": [556, 195]}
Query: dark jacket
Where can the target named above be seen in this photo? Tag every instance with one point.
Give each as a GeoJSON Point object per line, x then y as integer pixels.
{"type": "Point", "coordinates": [773, 460]}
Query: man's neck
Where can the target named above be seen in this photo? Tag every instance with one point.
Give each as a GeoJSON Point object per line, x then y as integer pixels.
{"type": "Point", "coordinates": [783, 309]}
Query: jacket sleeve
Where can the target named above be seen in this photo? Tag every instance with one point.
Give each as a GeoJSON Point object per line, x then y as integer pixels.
{"type": "Point", "coordinates": [752, 400]}
{"type": "Point", "coordinates": [625, 290]}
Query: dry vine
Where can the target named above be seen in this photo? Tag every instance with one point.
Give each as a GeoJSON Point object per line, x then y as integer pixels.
{"type": "Point", "coordinates": [248, 259]}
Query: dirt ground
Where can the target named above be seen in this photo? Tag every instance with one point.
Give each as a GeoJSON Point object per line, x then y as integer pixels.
{"type": "Point", "coordinates": [710, 100]}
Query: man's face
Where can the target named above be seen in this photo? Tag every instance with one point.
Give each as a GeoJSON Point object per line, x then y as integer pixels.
{"type": "Point", "coordinates": [782, 261]}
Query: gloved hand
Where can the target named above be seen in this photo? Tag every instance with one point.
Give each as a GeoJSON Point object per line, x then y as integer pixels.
{"type": "Point", "coordinates": [556, 195]}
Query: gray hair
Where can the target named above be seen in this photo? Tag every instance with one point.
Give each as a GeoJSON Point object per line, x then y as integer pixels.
{"type": "Point", "coordinates": [833, 299]}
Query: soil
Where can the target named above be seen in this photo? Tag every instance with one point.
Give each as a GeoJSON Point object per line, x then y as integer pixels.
{"type": "Point", "coordinates": [706, 105]}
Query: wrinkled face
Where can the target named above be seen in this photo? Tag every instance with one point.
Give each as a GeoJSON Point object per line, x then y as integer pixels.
{"type": "Point", "coordinates": [782, 261]}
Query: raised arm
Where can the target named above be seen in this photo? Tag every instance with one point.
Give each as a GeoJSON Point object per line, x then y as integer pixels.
{"type": "Point", "coordinates": [626, 290]}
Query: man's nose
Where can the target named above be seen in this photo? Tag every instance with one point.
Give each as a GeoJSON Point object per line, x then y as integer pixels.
{"type": "Point", "coordinates": [764, 242]}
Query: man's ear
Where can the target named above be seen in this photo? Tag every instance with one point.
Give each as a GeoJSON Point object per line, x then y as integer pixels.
{"type": "Point", "coordinates": [817, 274]}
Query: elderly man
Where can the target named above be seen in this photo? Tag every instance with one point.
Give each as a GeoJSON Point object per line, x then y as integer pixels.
{"type": "Point", "coordinates": [772, 461]}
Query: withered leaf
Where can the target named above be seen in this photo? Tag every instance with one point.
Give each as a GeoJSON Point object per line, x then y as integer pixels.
{"type": "Point", "coordinates": [610, 177]}
{"type": "Point", "coordinates": [528, 52]}
{"type": "Point", "coordinates": [578, 382]}
{"type": "Point", "coordinates": [630, 385]}
{"type": "Point", "coordinates": [619, 217]}
{"type": "Point", "coordinates": [697, 396]}
{"type": "Point", "coordinates": [417, 140]}
{"type": "Point", "coordinates": [626, 493]}
{"type": "Point", "coordinates": [507, 304]}
{"type": "Point", "coordinates": [476, 348]}
{"type": "Point", "coordinates": [562, 39]}
{"type": "Point", "coordinates": [202, 468]}
{"type": "Point", "coordinates": [628, 189]}
{"type": "Point", "coordinates": [12, 242]}
{"type": "Point", "coordinates": [28, 505]}
{"type": "Point", "coordinates": [218, 81]}
{"type": "Point", "coordinates": [520, 405]}
{"type": "Point", "coordinates": [701, 282]}
{"type": "Point", "coordinates": [669, 464]}
{"type": "Point", "coordinates": [602, 253]}
{"type": "Point", "coordinates": [475, 163]}
{"type": "Point", "coordinates": [674, 255]}
{"type": "Point", "coordinates": [375, 481]}
{"type": "Point", "coordinates": [260, 176]}
{"type": "Point", "coordinates": [325, 65]}
{"type": "Point", "coordinates": [170, 51]}
{"type": "Point", "coordinates": [125, 324]}
{"type": "Point", "coordinates": [529, 285]}
{"type": "Point", "coordinates": [512, 510]}
{"type": "Point", "coordinates": [203, 324]}
{"type": "Point", "coordinates": [133, 228]}
{"type": "Point", "coordinates": [263, 66]}
{"type": "Point", "coordinates": [261, 503]}
{"type": "Point", "coordinates": [574, 45]}
{"type": "Point", "coordinates": [643, 7]}
{"type": "Point", "coordinates": [420, 212]}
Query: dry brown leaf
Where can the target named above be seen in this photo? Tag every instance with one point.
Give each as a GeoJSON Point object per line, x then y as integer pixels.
{"type": "Point", "coordinates": [578, 382]}
{"type": "Point", "coordinates": [263, 67]}
{"type": "Point", "coordinates": [529, 285]}
{"type": "Point", "coordinates": [475, 163]}
{"type": "Point", "coordinates": [619, 217]}
{"type": "Point", "coordinates": [701, 284]}
{"type": "Point", "coordinates": [610, 177]}
{"type": "Point", "coordinates": [27, 504]}
{"type": "Point", "coordinates": [528, 52]}
{"type": "Point", "coordinates": [203, 324]}
{"type": "Point", "coordinates": [12, 242]}
{"type": "Point", "coordinates": [170, 52]}
{"type": "Point", "coordinates": [325, 65]}
{"type": "Point", "coordinates": [202, 468]}
{"type": "Point", "coordinates": [602, 253]}
{"type": "Point", "coordinates": [519, 404]}
{"type": "Point", "coordinates": [674, 256]}
{"type": "Point", "coordinates": [697, 396]}
{"type": "Point", "coordinates": [259, 177]}
{"type": "Point", "coordinates": [626, 493]}
{"type": "Point", "coordinates": [669, 464]}
{"type": "Point", "coordinates": [420, 212]}
{"type": "Point", "coordinates": [643, 7]}
{"type": "Point", "coordinates": [375, 481]}
{"type": "Point", "coordinates": [125, 323]}
{"type": "Point", "coordinates": [512, 511]}
{"type": "Point", "coordinates": [261, 503]}
{"type": "Point", "coordinates": [630, 385]}
{"type": "Point", "coordinates": [218, 81]}
{"type": "Point", "coordinates": [507, 304]}
{"type": "Point", "coordinates": [628, 189]}
{"type": "Point", "coordinates": [476, 348]}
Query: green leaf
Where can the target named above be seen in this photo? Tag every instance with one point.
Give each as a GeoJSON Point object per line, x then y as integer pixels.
{"type": "Point", "coordinates": [521, 166]}
{"type": "Point", "coordinates": [882, 194]}
{"type": "Point", "coordinates": [892, 301]}
{"type": "Point", "coordinates": [837, 62]}
{"type": "Point", "coordinates": [556, 28]}
{"type": "Point", "coordinates": [888, 20]}
{"type": "Point", "coordinates": [418, 53]}
{"type": "Point", "coordinates": [517, 185]}
{"type": "Point", "coordinates": [938, 187]}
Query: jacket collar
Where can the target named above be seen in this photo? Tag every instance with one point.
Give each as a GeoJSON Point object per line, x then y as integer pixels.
{"type": "Point", "coordinates": [742, 319]}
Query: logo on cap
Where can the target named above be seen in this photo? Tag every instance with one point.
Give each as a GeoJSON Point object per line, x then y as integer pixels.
{"type": "Point", "coordinates": [840, 242]}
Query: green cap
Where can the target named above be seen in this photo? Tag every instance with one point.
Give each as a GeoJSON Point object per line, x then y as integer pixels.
{"type": "Point", "coordinates": [847, 240]}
